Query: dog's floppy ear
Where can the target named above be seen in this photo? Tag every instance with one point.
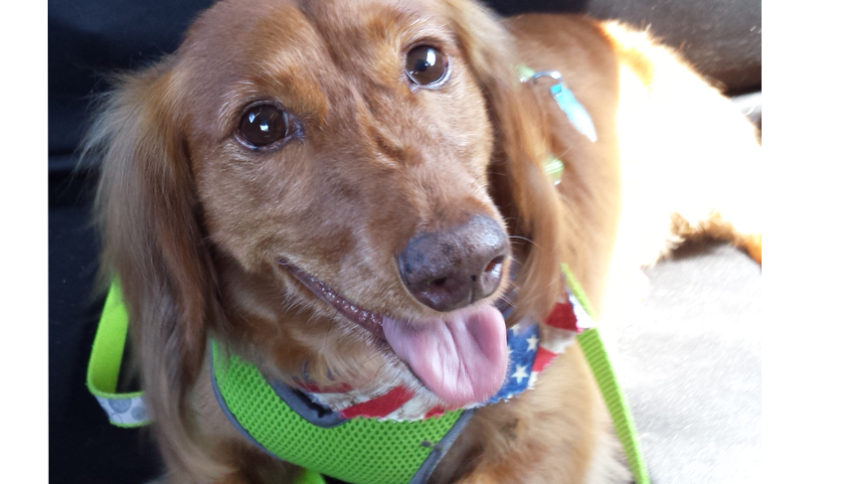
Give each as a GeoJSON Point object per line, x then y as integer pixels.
{"type": "Point", "coordinates": [152, 240]}
{"type": "Point", "coordinates": [520, 187]}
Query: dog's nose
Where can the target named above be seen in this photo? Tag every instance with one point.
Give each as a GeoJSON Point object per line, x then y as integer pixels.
{"type": "Point", "coordinates": [456, 267]}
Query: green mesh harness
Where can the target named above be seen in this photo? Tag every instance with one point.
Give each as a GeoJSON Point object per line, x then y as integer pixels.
{"type": "Point", "coordinates": [359, 450]}
{"type": "Point", "coordinates": [354, 450]}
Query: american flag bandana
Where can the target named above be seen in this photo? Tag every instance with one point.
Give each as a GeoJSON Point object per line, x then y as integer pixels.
{"type": "Point", "coordinates": [531, 348]}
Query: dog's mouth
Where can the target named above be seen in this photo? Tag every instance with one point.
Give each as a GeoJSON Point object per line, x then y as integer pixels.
{"type": "Point", "coordinates": [461, 356]}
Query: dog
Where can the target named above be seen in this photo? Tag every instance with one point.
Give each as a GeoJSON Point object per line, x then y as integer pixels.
{"type": "Point", "coordinates": [345, 192]}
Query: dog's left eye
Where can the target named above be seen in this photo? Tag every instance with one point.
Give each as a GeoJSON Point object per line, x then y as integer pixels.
{"type": "Point", "coordinates": [266, 126]}
{"type": "Point", "coordinates": [426, 66]}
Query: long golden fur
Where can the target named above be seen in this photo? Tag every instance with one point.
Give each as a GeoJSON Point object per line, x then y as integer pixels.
{"type": "Point", "coordinates": [194, 224]}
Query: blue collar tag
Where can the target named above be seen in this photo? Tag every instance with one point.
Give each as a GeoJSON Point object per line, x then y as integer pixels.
{"type": "Point", "coordinates": [572, 108]}
{"type": "Point", "coordinates": [575, 111]}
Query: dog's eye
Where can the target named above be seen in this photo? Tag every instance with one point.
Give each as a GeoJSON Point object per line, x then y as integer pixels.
{"type": "Point", "coordinates": [267, 126]}
{"type": "Point", "coordinates": [426, 66]}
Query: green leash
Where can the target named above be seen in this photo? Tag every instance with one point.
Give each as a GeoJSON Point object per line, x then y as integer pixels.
{"type": "Point", "coordinates": [589, 340]}
{"type": "Point", "coordinates": [598, 360]}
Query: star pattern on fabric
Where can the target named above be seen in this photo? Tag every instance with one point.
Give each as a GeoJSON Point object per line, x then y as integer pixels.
{"type": "Point", "coordinates": [520, 374]}
{"type": "Point", "coordinates": [533, 342]}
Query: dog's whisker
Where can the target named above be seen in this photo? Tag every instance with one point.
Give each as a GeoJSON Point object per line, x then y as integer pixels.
{"type": "Point", "coordinates": [505, 299]}
{"type": "Point", "coordinates": [521, 238]}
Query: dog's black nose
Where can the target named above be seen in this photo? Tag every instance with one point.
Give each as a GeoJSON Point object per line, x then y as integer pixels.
{"type": "Point", "coordinates": [456, 267]}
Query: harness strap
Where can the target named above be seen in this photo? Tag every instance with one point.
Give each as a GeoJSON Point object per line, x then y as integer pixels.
{"type": "Point", "coordinates": [619, 410]}
{"type": "Point", "coordinates": [123, 409]}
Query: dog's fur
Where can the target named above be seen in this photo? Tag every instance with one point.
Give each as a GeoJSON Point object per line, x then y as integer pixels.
{"type": "Point", "coordinates": [194, 223]}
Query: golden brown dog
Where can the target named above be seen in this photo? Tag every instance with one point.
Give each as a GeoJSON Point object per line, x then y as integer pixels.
{"type": "Point", "coordinates": [388, 153]}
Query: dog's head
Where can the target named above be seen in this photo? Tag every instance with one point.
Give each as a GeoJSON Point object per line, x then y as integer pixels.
{"type": "Point", "coordinates": [303, 171]}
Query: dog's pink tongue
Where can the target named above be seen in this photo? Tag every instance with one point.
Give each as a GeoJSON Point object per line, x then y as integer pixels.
{"type": "Point", "coordinates": [461, 358]}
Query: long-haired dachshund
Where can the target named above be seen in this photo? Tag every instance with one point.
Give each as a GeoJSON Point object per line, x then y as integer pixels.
{"type": "Point", "coordinates": [350, 192]}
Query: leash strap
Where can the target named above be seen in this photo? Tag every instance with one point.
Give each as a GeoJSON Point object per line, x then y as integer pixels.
{"type": "Point", "coordinates": [590, 342]}
{"type": "Point", "coordinates": [123, 409]}
{"type": "Point", "coordinates": [619, 410]}
{"type": "Point", "coordinates": [622, 418]}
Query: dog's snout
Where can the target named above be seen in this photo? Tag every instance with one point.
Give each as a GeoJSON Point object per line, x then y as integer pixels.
{"type": "Point", "coordinates": [450, 269]}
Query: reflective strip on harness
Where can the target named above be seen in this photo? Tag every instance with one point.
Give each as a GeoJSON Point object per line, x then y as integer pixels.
{"type": "Point", "coordinates": [123, 409]}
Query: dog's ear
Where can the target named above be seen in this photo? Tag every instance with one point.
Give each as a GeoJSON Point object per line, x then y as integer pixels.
{"type": "Point", "coordinates": [520, 186]}
{"type": "Point", "coordinates": [152, 240]}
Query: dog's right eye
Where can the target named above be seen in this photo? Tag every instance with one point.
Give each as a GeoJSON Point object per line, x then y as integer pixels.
{"type": "Point", "coordinates": [426, 66]}
{"type": "Point", "coordinates": [266, 126]}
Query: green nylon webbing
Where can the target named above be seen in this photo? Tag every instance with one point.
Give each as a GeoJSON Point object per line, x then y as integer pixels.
{"type": "Point", "coordinates": [607, 382]}
{"type": "Point", "coordinates": [123, 409]}
{"type": "Point", "coordinates": [308, 476]}
{"type": "Point", "coordinates": [622, 417]}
